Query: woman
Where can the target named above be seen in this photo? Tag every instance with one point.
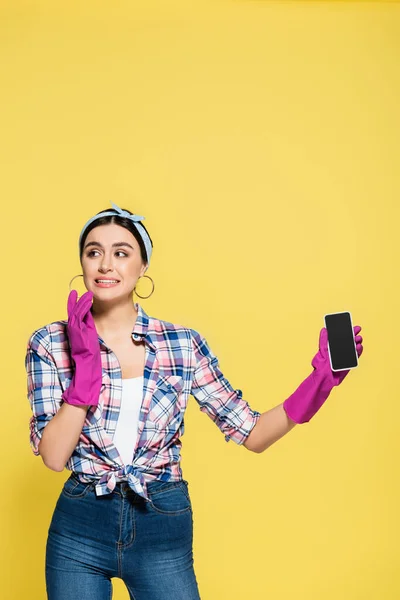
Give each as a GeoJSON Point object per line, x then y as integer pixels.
{"type": "Point", "coordinates": [108, 390]}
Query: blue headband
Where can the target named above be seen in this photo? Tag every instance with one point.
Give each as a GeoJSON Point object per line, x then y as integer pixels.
{"type": "Point", "coordinates": [134, 218]}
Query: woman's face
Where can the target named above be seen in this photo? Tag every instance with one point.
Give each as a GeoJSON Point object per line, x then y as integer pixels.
{"type": "Point", "coordinates": [102, 260]}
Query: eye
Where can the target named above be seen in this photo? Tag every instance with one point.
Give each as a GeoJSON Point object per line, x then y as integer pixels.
{"type": "Point", "coordinates": [118, 252]}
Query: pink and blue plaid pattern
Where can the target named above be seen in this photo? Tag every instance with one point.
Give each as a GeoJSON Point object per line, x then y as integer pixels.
{"type": "Point", "coordinates": [179, 363]}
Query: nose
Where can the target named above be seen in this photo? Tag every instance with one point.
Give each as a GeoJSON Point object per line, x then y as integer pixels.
{"type": "Point", "coordinates": [104, 266]}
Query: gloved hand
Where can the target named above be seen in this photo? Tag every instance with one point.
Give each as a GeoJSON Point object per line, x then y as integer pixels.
{"type": "Point", "coordinates": [85, 385]}
{"type": "Point", "coordinates": [302, 405]}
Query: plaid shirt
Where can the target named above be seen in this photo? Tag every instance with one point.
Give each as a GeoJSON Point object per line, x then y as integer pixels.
{"type": "Point", "coordinates": [179, 363]}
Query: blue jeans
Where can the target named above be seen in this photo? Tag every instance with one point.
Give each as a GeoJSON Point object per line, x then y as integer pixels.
{"type": "Point", "coordinates": [93, 538]}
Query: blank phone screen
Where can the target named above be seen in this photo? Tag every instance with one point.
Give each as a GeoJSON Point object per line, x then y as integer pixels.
{"type": "Point", "coordinates": [341, 340]}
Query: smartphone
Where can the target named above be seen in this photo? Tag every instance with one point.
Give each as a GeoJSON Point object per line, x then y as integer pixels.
{"type": "Point", "coordinates": [341, 341]}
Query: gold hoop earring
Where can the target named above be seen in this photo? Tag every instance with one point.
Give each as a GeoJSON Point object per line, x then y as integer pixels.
{"type": "Point", "coordinates": [134, 289]}
{"type": "Point", "coordinates": [73, 279]}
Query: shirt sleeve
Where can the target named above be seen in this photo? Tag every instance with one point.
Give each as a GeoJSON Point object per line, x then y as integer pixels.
{"type": "Point", "coordinates": [43, 383]}
{"type": "Point", "coordinates": [216, 396]}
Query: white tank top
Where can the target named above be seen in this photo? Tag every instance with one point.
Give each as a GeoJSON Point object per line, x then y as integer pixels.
{"type": "Point", "coordinates": [125, 435]}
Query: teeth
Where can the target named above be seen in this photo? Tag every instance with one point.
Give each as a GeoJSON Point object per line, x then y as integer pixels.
{"type": "Point", "coordinates": [106, 281]}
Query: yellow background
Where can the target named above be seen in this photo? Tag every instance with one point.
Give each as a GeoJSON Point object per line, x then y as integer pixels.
{"type": "Point", "coordinates": [261, 142]}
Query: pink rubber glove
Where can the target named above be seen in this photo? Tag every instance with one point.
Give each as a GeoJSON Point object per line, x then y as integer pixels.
{"type": "Point", "coordinates": [85, 385]}
{"type": "Point", "coordinates": [302, 405]}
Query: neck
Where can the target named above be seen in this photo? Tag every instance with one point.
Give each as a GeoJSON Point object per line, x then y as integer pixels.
{"type": "Point", "coordinates": [111, 318]}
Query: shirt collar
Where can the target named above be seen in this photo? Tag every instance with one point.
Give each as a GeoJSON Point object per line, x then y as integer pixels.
{"type": "Point", "coordinates": [140, 330]}
{"type": "Point", "coordinates": [141, 326]}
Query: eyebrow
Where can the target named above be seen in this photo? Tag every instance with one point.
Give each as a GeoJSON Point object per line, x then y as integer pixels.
{"type": "Point", "coordinates": [116, 245]}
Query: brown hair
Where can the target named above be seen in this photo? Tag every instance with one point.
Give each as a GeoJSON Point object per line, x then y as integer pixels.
{"type": "Point", "coordinates": [118, 220]}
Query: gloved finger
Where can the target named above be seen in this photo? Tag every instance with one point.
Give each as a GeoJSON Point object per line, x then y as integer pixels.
{"type": "Point", "coordinates": [323, 342]}
{"type": "Point", "coordinates": [88, 320]}
{"type": "Point", "coordinates": [357, 329]}
{"type": "Point", "coordinates": [71, 302]}
{"type": "Point", "coordinates": [358, 339]}
{"type": "Point", "coordinates": [359, 349]}
{"type": "Point", "coordinates": [83, 305]}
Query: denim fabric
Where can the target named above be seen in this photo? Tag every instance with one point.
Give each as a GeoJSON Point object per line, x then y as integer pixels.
{"type": "Point", "coordinates": [148, 545]}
